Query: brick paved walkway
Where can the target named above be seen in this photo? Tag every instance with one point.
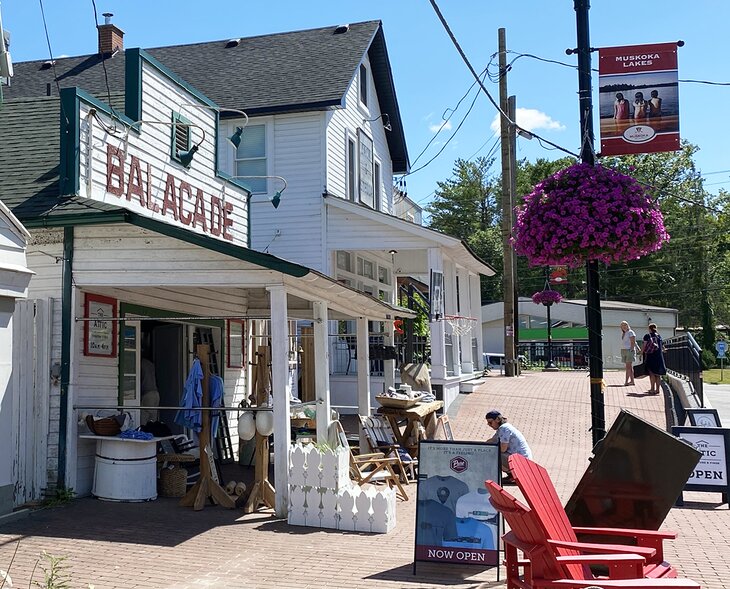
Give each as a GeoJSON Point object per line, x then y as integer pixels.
{"type": "Point", "coordinates": [159, 545]}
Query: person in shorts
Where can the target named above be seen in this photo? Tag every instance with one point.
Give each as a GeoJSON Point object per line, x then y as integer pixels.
{"type": "Point", "coordinates": [628, 351]}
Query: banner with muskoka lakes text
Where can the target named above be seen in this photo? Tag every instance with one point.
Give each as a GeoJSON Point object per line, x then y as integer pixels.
{"type": "Point", "coordinates": [455, 522]}
{"type": "Point", "coordinates": [638, 99]}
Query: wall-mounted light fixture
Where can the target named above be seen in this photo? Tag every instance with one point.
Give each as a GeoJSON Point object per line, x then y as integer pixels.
{"type": "Point", "coordinates": [184, 156]}
{"type": "Point", "coordinates": [386, 121]}
{"type": "Point", "coordinates": [235, 139]}
{"type": "Point", "coordinates": [276, 199]}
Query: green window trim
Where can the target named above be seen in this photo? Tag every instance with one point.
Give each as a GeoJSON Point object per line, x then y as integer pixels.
{"type": "Point", "coordinates": [179, 136]}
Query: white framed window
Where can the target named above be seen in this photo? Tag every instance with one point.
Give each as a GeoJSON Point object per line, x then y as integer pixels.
{"type": "Point", "coordinates": [365, 274]}
{"type": "Point", "coordinates": [377, 181]}
{"type": "Point", "coordinates": [251, 158]}
{"type": "Point", "coordinates": [363, 85]}
{"type": "Point", "coordinates": [344, 261]}
{"type": "Point", "coordinates": [365, 169]}
{"type": "Point", "coordinates": [351, 169]}
{"type": "Point", "coordinates": [384, 275]}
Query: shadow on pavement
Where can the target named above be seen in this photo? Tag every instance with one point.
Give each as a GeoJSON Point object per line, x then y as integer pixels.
{"type": "Point", "coordinates": [440, 573]}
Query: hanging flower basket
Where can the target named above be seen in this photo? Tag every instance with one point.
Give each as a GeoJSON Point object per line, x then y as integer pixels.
{"type": "Point", "coordinates": [547, 297]}
{"type": "Point", "coordinates": [587, 213]}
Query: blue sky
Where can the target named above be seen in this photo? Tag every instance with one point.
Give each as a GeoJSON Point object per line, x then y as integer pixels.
{"type": "Point", "coordinates": [429, 75]}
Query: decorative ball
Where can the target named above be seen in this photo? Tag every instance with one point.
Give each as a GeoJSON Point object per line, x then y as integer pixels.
{"type": "Point", "coordinates": [246, 426]}
{"type": "Point", "coordinates": [265, 423]}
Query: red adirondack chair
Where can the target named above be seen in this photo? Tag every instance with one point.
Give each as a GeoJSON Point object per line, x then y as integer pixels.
{"type": "Point", "coordinates": [542, 566]}
{"type": "Point", "coordinates": [535, 484]}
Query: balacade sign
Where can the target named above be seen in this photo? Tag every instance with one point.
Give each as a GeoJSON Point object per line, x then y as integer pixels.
{"type": "Point", "coordinates": [133, 180]}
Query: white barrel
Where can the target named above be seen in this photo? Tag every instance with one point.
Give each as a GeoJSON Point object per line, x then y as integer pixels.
{"type": "Point", "coordinates": [125, 470]}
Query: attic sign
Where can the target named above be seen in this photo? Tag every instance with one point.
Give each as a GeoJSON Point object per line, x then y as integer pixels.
{"type": "Point", "coordinates": [181, 201]}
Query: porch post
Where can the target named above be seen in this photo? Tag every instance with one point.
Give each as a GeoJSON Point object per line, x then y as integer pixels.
{"type": "Point", "coordinates": [363, 373]}
{"type": "Point", "coordinates": [438, 348]}
{"type": "Point", "coordinates": [467, 365]}
{"type": "Point", "coordinates": [281, 395]}
{"type": "Point", "coordinates": [389, 365]}
{"type": "Point", "coordinates": [321, 370]}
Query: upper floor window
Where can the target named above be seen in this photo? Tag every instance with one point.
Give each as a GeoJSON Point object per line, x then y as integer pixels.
{"type": "Point", "coordinates": [251, 157]}
{"type": "Point", "coordinates": [363, 84]}
{"type": "Point", "coordinates": [377, 180]}
{"type": "Point", "coordinates": [351, 169]}
{"type": "Point", "coordinates": [366, 189]}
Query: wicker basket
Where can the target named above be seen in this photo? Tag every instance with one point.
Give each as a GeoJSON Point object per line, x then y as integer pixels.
{"type": "Point", "coordinates": [107, 426]}
{"type": "Point", "coordinates": [173, 481]}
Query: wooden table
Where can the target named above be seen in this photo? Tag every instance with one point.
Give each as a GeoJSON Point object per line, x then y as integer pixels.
{"type": "Point", "coordinates": [423, 414]}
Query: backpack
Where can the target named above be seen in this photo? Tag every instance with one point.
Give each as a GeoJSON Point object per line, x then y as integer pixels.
{"type": "Point", "coordinates": [650, 346]}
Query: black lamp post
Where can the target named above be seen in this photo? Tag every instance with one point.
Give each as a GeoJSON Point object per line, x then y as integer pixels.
{"type": "Point", "coordinates": [549, 365]}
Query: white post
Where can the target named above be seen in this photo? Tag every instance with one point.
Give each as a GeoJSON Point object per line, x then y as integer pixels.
{"type": "Point", "coordinates": [321, 370]}
{"type": "Point", "coordinates": [363, 374]}
{"type": "Point", "coordinates": [438, 348]}
{"type": "Point", "coordinates": [389, 365]}
{"type": "Point", "coordinates": [281, 395]}
{"type": "Point", "coordinates": [467, 365]}
{"type": "Point", "coordinates": [476, 305]}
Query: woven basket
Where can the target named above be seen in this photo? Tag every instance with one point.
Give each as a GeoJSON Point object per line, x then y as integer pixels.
{"type": "Point", "coordinates": [107, 426]}
{"type": "Point", "coordinates": [173, 482]}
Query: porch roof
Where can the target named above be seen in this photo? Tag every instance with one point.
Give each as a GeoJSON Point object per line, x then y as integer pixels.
{"type": "Point", "coordinates": [373, 223]}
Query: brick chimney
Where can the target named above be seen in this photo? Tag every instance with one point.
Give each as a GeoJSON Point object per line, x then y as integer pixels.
{"type": "Point", "coordinates": [111, 38]}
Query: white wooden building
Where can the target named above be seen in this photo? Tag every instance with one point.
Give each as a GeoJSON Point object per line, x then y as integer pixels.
{"type": "Point", "coordinates": [14, 279]}
{"type": "Point", "coordinates": [133, 244]}
{"type": "Point", "coordinates": [568, 317]}
{"type": "Point", "coordinates": [321, 113]}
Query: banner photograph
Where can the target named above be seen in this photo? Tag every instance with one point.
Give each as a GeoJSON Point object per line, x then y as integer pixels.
{"type": "Point", "coordinates": [455, 522]}
{"type": "Point", "coordinates": [638, 99]}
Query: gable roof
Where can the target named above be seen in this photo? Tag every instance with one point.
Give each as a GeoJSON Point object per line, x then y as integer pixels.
{"type": "Point", "coordinates": [269, 74]}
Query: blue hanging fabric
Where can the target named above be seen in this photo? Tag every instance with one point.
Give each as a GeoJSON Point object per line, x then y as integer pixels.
{"type": "Point", "coordinates": [216, 400]}
{"type": "Point", "coordinates": [190, 415]}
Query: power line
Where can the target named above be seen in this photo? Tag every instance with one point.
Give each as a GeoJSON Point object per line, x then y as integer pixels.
{"type": "Point", "coordinates": [481, 84]}
{"type": "Point", "coordinates": [445, 120]}
{"type": "Point", "coordinates": [53, 61]}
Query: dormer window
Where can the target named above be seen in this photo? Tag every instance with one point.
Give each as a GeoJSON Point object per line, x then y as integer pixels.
{"type": "Point", "coordinates": [363, 84]}
{"type": "Point", "coordinates": [180, 135]}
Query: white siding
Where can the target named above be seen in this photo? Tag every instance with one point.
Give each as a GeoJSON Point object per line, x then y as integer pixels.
{"type": "Point", "coordinates": [353, 117]}
{"type": "Point", "coordinates": [160, 98]}
{"type": "Point", "coordinates": [118, 252]}
{"type": "Point", "coordinates": [295, 152]}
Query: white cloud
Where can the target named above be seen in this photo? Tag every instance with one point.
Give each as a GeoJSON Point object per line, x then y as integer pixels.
{"type": "Point", "coordinates": [446, 126]}
{"type": "Point", "coordinates": [531, 119]}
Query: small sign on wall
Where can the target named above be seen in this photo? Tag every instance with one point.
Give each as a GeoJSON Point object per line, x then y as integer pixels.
{"type": "Point", "coordinates": [100, 330]}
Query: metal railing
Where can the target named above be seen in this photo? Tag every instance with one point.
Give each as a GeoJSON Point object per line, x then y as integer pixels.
{"type": "Point", "coordinates": [343, 353]}
{"type": "Point", "coordinates": [684, 357]}
{"type": "Point", "coordinates": [567, 355]}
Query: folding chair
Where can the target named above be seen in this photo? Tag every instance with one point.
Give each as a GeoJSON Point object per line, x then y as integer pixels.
{"type": "Point", "coordinates": [371, 468]}
{"type": "Point", "coordinates": [380, 438]}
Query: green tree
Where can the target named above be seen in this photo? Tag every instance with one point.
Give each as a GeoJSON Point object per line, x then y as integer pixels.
{"type": "Point", "coordinates": [467, 206]}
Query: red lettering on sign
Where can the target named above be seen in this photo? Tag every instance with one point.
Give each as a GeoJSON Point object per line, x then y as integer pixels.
{"type": "Point", "coordinates": [169, 200]}
{"type": "Point", "coordinates": [199, 215]}
{"type": "Point", "coordinates": [215, 215]}
{"type": "Point", "coordinates": [227, 221]}
{"type": "Point", "coordinates": [185, 189]}
{"type": "Point", "coordinates": [114, 171]}
{"type": "Point", "coordinates": [134, 185]}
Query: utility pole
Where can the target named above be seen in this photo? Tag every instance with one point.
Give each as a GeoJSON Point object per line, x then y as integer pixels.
{"type": "Point", "coordinates": [512, 112]}
{"type": "Point", "coordinates": [593, 307]}
{"type": "Point", "coordinates": [507, 265]}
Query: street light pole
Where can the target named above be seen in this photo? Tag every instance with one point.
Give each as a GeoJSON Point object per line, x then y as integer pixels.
{"type": "Point", "coordinates": [593, 307]}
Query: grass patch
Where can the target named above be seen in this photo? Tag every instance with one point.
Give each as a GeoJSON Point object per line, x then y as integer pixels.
{"type": "Point", "coordinates": [713, 376]}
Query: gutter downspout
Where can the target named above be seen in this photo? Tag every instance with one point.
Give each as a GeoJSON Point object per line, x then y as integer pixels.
{"type": "Point", "coordinates": [66, 339]}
